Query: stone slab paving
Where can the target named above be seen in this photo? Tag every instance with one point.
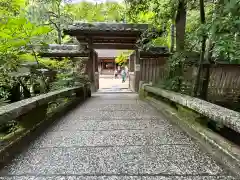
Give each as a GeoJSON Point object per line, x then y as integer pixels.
{"type": "Point", "coordinates": [114, 137]}
{"type": "Point", "coordinates": [115, 90]}
{"type": "Point", "coordinates": [112, 83]}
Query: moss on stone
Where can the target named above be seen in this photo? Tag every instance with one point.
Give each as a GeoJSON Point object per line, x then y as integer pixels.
{"type": "Point", "coordinates": [141, 93]}
{"type": "Point", "coordinates": [13, 135]}
{"type": "Point", "coordinates": [191, 115]}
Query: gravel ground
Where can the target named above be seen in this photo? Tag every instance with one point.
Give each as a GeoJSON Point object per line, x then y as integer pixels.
{"type": "Point", "coordinates": [114, 137]}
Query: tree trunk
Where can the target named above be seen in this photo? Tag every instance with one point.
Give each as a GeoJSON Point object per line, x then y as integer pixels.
{"type": "Point", "coordinates": [172, 38]}
{"type": "Point", "coordinates": [180, 22]}
{"type": "Point", "coordinates": [59, 25]}
{"type": "Point", "coordinates": [206, 75]}
{"type": "Point", "coordinates": [180, 25]}
{"type": "Point", "coordinates": [208, 57]}
{"type": "Point", "coordinates": [203, 47]}
{"type": "Point", "coordinates": [15, 93]}
{"type": "Point", "coordinates": [26, 91]}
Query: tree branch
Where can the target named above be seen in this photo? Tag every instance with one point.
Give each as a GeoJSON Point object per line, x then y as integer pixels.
{"type": "Point", "coordinates": [55, 24]}
{"type": "Point", "coordinates": [53, 14]}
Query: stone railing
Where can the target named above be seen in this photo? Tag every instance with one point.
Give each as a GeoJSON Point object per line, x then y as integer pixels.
{"type": "Point", "coordinates": [227, 117]}
{"type": "Point", "coordinates": [22, 120]}
{"type": "Point", "coordinates": [17, 109]}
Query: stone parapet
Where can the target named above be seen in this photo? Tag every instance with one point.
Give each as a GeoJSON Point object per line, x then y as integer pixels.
{"type": "Point", "coordinates": [227, 117]}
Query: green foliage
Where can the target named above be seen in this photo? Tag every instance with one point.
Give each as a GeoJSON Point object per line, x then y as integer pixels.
{"type": "Point", "coordinates": [222, 26]}
{"type": "Point", "coordinates": [121, 59]}
{"type": "Point", "coordinates": [57, 65]}
{"type": "Point", "coordinates": [160, 14]}
{"type": "Point", "coordinates": [49, 12]}
{"type": "Point", "coordinates": [91, 12]}
{"type": "Point", "coordinates": [149, 38]}
{"type": "Point", "coordinates": [221, 29]}
{"type": "Point", "coordinates": [225, 31]}
{"type": "Point", "coordinates": [11, 7]}
{"type": "Point", "coordinates": [8, 127]}
{"type": "Point", "coordinates": [70, 79]}
{"type": "Point", "coordinates": [16, 33]}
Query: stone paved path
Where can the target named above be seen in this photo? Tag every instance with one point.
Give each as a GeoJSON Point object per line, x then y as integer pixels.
{"type": "Point", "coordinates": [107, 83]}
{"type": "Point", "coordinates": [114, 137]}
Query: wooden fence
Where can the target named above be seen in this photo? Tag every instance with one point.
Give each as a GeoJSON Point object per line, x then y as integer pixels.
{"type": "Point", "coordinates": [151, 66]}
{"type": "Point", "coordinates": [223, 87]}
{"type": "Point", "coordinates": [152, 69]}
{"type": "Point", "coordinates": [224, 84]}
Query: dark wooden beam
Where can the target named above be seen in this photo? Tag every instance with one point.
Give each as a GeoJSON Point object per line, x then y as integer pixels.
{"type": "Point", "coordinates": [115, 37]}
{"type": "Point", "coordinates": [110, 41]}
{"type": "Point", "coordinates": [102, 58]}
{"type": "Point", "coordinates": [110, 36]}
{"type": "Point", "coordinates": [82, 40]}
{"type": "Point", "coordinates": [115, 40]}
{"type": "Point", "coordinates": [105, 33]}
{"type": "Point", "coordinates": [113, 46]}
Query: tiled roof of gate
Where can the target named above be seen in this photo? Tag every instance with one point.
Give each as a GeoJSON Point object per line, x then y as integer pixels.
{"type": "Point", "coordinates": [107, 26]}
{"type": "Point", "coordinates": [63, 50]}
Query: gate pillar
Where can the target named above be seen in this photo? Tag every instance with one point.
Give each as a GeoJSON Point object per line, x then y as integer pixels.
{"type": "Point", "coordinates": [137, 69]}
{"type": "Point", "coordinates": [96, 71]}
{"type": "Point", "coordinates": [91, 65]}
{"type": "Point", "coordinates": [131, 72]}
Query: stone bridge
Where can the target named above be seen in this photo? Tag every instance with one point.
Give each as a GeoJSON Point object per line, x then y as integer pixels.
{"type": "Point", "coordinates": [109, 136]}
